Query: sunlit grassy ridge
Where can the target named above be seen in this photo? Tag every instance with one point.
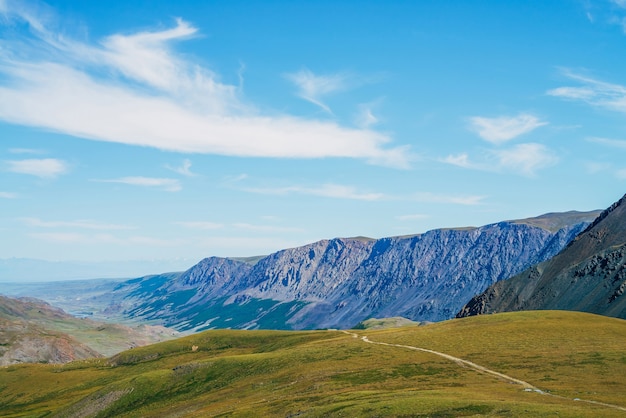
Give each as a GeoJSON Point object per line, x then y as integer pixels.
{"type": "Point", "coordinates": [330, 373]}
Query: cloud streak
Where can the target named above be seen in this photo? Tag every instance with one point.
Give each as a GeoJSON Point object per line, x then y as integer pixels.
{"type": "Point", "coordinates": [593, 92]}
{"type": "Point", "coordinates": [614, 143]}
{"type": "Point", "coordinates": [524, 159]}
{"type": "Point", "coordinates": [184, 169]}
{"type": "Point", "coordinates": [504, 128]}
{"type": "Point", "coordinates": [335, 191]}
{"type": "Point", "coordinates": [465, 200]}
{"type": "Point", "coordinates": [169, 185]}
{"type": "Point", "coordinates": [81, 224]}
{"type": "Point", "coordinates": [99, 92]}
{"type": "Point", "coordinates": [313, 87]}
{"type": "Point", "coordinates": [45, 168]}
{"type": "Point", "coordinates": [204, 225]}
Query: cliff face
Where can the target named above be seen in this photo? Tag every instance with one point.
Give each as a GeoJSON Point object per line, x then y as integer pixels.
{"type": "Point", "coordinates": [588, 275]}
{"type": "Point", "coordinates": [338, 283]}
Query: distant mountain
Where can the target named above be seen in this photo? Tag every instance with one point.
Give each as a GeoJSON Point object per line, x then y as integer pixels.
{"type": "Point", "coordinates": [32, 331]}
{"type": "Point", "coordinates": [588, 275]}
{"type": "Point", "coordinates": [340, 282]}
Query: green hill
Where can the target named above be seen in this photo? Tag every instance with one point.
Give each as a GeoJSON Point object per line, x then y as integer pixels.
{"type": "Point", "coordinates": [572, 364]}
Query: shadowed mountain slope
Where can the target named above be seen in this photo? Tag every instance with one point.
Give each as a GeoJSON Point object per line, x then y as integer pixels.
{"type": "Point", "coordinates": [588, 275]}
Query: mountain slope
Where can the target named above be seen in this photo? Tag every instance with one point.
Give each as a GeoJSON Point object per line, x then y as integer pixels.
{"type": "Point", "coordinates": [588, 275]}
{"type": "Point", "coordinates": [576, 360]}
{"type": "Point", "coordinates": [340, 282]}
{"type": "Point", "coordinates": [32, 331]}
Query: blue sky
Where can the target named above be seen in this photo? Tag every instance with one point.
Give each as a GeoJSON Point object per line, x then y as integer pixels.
{"type": "Point", "coordinates": [143, 130]}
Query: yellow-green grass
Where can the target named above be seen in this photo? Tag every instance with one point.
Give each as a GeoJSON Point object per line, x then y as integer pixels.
{"type": "Point", "coordinates": [330, 373]}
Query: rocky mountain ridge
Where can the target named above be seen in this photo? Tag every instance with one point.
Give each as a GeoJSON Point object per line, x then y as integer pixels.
{"type": "Point", "coordinates": [588, 275]}
{"type": "Point", "coordinates": [340, 282]}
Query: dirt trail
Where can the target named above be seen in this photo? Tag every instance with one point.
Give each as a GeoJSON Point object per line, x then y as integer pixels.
{"type": "Point", "coordinates": [461, 362]}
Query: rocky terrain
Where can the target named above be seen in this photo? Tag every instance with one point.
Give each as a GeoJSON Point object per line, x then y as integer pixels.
{"type": "Point", "coordinates": [588, 275]}
{"type": "Point", "coordinates": [340, 282]}
{"type": "Point", "coordinates": [32, 331]}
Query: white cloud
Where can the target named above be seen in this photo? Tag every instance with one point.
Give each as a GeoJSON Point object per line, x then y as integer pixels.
{"type": "Point", "coordinates": [460, 160]}
{"type": "Point", "coordinates": [44, 168]}
{"type": "Point", "coordinates": [336, 191]}
{"type": "Point", "coordinates": [26, 151]}
{"type": "Point", "coordinates": [184, 169]}
{"type": "Point", "coordinates": [593, 92]}
{"type": "Point", "coordinates": [60, 237]}
{"type": "Point", "coordinates": [7, 195]}
{"type": "Point", "coordinates": [82, 224]}
{"type": "Point", "coordinates": [265, 228]}
{"type": "Point", "coordinates": [621, 174]}
{"type": "Point", "coordinates": [467, 200]}
{"type": "Point", "coordinates": [170, 185]}
{"type": "Point", "coordinates": [525, 159]}
{"type": "Point", "coordinates": [620, 3]}
{"type": "Point", "coordinates": [133, 89]}
{"type": "Point", "coordinates": [205, 225]}
{"type": "Point", "coordinates": [504, 128]}
{"type": "Point", "coordinates": [412, 217]}
{"type": "Point", "coordinates": [615, 143]}
{"type": "Point", "coordinates": [313, 87]}
{"type": "Point", "coordinates": [365, 117]}
{"type": "Point", "coordinates": [593, 167]}
{"type": "Point", "coordinates": [94, 239]}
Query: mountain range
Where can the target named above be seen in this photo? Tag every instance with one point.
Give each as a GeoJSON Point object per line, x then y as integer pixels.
{"type": "Point", "coordinates": [340, 282]}
{"type": "Point", "coordinates": [588, 275]}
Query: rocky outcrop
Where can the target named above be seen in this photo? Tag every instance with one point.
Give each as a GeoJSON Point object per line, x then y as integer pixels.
{"type": "Point", "coordinates": [340, 282]}
{"type": "Point", "coordinates": [588, 275]}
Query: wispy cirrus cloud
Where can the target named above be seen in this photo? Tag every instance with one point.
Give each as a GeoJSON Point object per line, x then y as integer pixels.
{"type": "Point", "coordinates": [504, 128]}
{"type": "Point", "coordinates": [465, 200]}
{"type": "Point", "coordinates": [103, 238]}
{"type": "Point", "coordinates": [134, 89]}
{"type": "Point", "coordinates": [313, 88]}
{"type": "Point", "coordinates": [265, 228]}
{"type": "Point", "coordinates": [26, 151]}
{"type": "Point", "coordinates": [524, 159]}
{"type": "Point", "coordinates": [204, 225]}
{"type": "Point", "coordinates": [336, 191]}
{"type": "Point", "coordinates": [81, 224]}
{"type": "Point", "coordinates": [621, 174]}
{"type": "Point", "coordinates": [184, 169]}
{"type": "Point", "coordinates": [614, 143]}
{"type": "Point", "coordinates": [412, 217]}
{"type": "Point", "coordinates": [8, 195]}
{"type": "Point", "coordinates": [592, 91]}
{"type": "Point", "coordinates": [47, 168]}
{"type": "Point", "coordinates": [169, 185]}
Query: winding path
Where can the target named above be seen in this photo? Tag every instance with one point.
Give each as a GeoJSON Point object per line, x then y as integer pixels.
{"type": "Point", "coordinates": [461, 362]}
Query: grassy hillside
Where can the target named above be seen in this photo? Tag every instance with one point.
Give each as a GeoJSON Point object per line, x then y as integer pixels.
{"type": "Point", "coordinates": [34, 331]}
{"type": "Point", "coordinates": [332, 373]}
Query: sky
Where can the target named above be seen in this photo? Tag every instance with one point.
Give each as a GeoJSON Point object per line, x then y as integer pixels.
{"type": "Point", "coordinates": [178, 130]}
